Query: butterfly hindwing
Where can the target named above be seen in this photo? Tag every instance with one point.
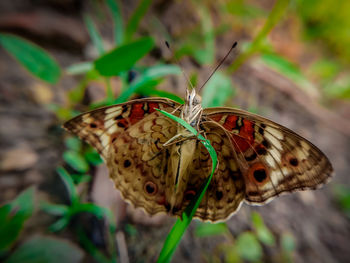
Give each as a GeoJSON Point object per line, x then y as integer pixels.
{"type": "Point", "coordinates": [226, 190]}
{"type": "Point", "coordinates": [138, 162]}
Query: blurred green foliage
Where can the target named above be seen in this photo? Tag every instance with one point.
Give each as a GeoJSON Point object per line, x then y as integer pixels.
{"type": "Point", "coordinates": [13, 216]}
{"type": "Point", "coordinates": [328, 21]}
{"type": "Point", "coordinates": [33, 58]}
{"type": "Point", "coordinates": [342, 196]}
{"type": "Point", "coordinates": [248, 246]}
{"type": "Point", "coordinates": [46, 249]}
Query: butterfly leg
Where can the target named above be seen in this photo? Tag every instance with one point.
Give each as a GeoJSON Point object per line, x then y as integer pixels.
{"type": "Point", "coordinates": [173, 140]}
{"type": "Point", "coordinates": [179, 138]}
{"type": "Point", "coordinates": [175, 110]}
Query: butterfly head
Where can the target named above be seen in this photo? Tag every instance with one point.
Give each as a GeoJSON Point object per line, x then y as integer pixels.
{"type": "Point", "coordinates": [192, 98]}
{"type": "Point", "coordinates": [192, 109]}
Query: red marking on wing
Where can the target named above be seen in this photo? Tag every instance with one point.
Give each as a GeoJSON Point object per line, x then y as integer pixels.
{"type": "Point", "coordinates": [123, 123]}
{"type": "Point", "coordinates": [161, 200]}
{"type": "Point", "coordinates": [216, 118]}
{"type": "Point", "coordinates": [230, 122]}
{"type": "Point", "coordinates": [136, 113]}
{"type": "Point", "coordinates": [152, 106]}
{"type": "Point", "coordinates": [245, 139]}
{"type": "Point", "coordinates": [252, 179]}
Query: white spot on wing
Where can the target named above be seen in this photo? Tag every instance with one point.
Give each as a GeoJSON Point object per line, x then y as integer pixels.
{"type": "Point", "coordinates": [113, 109]}
{"type": "Point", "coordinates": [278, 175]}
{"type": "Point", "coordinates": [300, 154]}
{"type": "Point", "coordinates": [111, 126]}
{"type": "Point", "coordinates": [87, 118]}
{"type": "Point", "coordinates": [104, 140]}
{"type": "Point", "coordinates": [305, 145]}
{"type": "Point", "coordinates": [273, 140]}
{"type": "Point", "coordinates": [270, 161]}
{"type": "Point", "coordinates": [276, 154]}
{"type": "Point", "coordinates": [112, 129]}
{"type": "Point", "coordinates": [112, 112]}
{"type": "Point", "coordinates": [275, 132]}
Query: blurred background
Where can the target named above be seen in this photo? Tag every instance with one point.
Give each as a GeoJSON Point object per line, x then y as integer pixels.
{"type": "Point", "coordinates": [60, 58]}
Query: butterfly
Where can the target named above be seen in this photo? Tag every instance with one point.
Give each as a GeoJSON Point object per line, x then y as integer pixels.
{"type": "Point", "coordinates": [159, 166]}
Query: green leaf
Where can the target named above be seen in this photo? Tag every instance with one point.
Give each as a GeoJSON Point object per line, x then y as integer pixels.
{"type": "Point", "coordinates": [283, 66]}
{"type": "Point", "coordinates": [113, 6]}
{"type": "Point", "coordinates": [61, 223]}
{"type": "Point", "coordinates": [338, 89]}
{"type": "Point", "coordinates": [35, 59]}
{"type": "Point", "coordinates": [342, 196]}
{"type": "Point", "coordinates": [130, 230]}
{"type": "Point", "coordinates": [42, 249]}
{"type": "Point", "coordinates": [98, 211]}
{"type": "Point", "coordinates": [13, 216]}
{"type": "Point", "coordinates": [158, 71]}
{"type": "Point", "coordinates": [80, 178]}
{"type": "Point", "coordinates": [80, 68]}
{"type": "Point", "coordinates": [145, 82]}
{"type": "Point", "coordinates": [136, 17]}
{"type": "Point", "coordinates": [76, 161]}
{"type": "Point", "coordinates": [92, 156]}
{"type": "Point", "coordinates": [94, 34]}
{"type": "Point", "coordinates": [124, 57]}
{"type": "Point", "coordinates": [209, 229]}
{"type": "Point", "coordinates": [174, 237]}
{"type": "Point", "coordinates": [217, 91]}
{"type": "Point", "coordinates": [263, 233]}
{"type": "Point", "coordinates": [248, 247]}
{"type": "Point", "coordinates": [53, 209]}
{"type": "Point", "coordinates": [72, 192]}
{"type": "Point", "coordinates": [73, 143]}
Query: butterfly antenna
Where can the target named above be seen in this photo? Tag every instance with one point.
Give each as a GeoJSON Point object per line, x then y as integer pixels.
{"type": "Point", "coordinates": [220, 63]}
{"type": "Point", "coordinates": [178, 63]}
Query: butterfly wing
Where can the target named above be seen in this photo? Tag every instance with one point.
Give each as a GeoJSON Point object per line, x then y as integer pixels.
{"type": "Point", "coordinates": [271, 158]}
{"type": "Point", "coordinates": [138, 162]}
{"type": "Point", "coordinates": [130, 139]}
{"type": "Point", "coordinates": [102, 126]}
{"type": "Point", "coordinates": [226, 190]}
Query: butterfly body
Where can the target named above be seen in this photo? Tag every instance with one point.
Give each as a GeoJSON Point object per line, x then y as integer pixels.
{"type": "Point", "coordinates": [158, 165]}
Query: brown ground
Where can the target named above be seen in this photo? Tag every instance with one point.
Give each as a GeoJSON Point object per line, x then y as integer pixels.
{"type": "Point", "coordinates": [32, 142]}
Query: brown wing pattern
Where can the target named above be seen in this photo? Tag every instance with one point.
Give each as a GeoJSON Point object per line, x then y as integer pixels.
{"type": "Point", "coordinates": [101, 127]}
{"type": "Point", "coordinates": [138, 162]}
{"type": "Point", "coordinates": [257, 158]}
{"type": "Point", "coordinates": [226, 190]}
{"type": "Point", "coordinates": [272, 158]}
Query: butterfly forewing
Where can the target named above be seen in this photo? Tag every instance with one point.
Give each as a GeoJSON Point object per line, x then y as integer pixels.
{"type": "Point", "coordinates": [102, 126]}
